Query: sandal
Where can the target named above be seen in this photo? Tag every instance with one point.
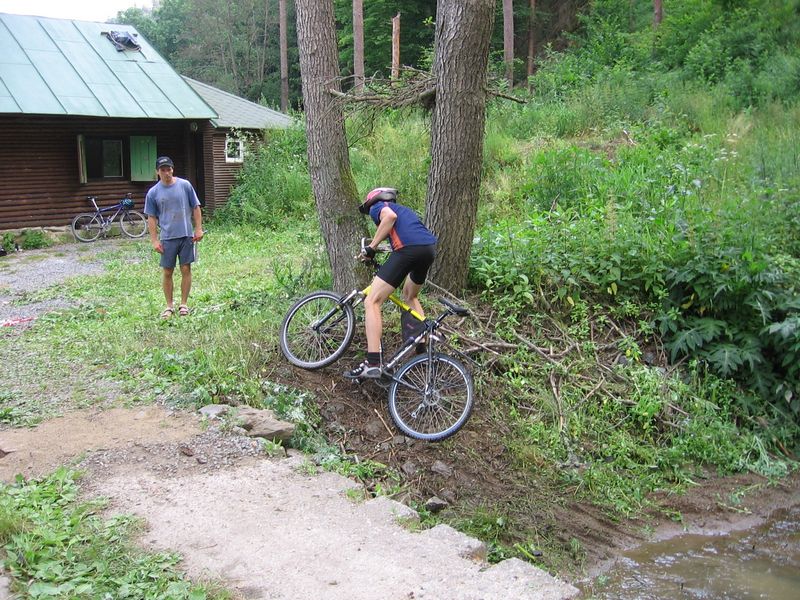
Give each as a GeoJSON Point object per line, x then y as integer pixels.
{"type": "Point", "coordinates": [168, 312]}
{"type": "Point", "coordinates": [183, 310]}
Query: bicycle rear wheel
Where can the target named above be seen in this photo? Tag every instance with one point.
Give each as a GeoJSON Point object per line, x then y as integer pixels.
{"type": "Point", "coordinates": [133, 224]}
{"type": "Point", "coordinates": [317, 330]}
{"type": "Point", "coordinates": [431, 400]}
{"type": "Point", "coordinates": [86, 227]}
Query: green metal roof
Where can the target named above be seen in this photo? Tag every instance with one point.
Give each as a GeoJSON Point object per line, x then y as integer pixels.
{"type": "Point", "coordinates": [237, 112]}
{"type": "Point", "coordinates": [61, 67]}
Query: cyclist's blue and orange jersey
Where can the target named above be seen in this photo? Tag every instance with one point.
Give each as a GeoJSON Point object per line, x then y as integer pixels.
{"type": "Point", "coordinates": [408, 230]}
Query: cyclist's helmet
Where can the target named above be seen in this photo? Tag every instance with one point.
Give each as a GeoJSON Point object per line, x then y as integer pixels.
{"type": "Point", "coordinates": [377, 195]}
{"type": "Point", "coordinates": [128, 203]}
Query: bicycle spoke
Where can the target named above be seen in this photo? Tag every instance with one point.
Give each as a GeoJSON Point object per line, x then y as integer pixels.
{"type": "Point", "coordinates": [447, 399]}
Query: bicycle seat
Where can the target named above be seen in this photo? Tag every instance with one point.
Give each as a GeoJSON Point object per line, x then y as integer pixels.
{"type": "Point", "coordinates": [458, 310]}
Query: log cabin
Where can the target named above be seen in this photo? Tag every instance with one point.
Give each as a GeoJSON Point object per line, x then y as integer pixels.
{"type": "Point", "coordinates": [85, 109]}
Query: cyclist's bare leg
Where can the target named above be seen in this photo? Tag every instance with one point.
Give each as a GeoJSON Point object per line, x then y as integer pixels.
{"type": "Point", "coordinates": [166, 284]}
{"type": "Point", "coordinates": [186, 283]}
{"type": "Point", "coordinates": [411, 295]}
{"type": "Point", "coordinates": [373, 322]}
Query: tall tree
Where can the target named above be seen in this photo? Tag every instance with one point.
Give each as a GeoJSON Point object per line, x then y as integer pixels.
{"type": "Point", "coordinates": [461, 55]}
{"type": "Point", "coordinates": [328, 160]}
{"type": "Point", "coordinates": [658, 12]}
{"type": "Point", "coordinates": [508, 40]}
{"type": "Point", "coordinates": [358, 44]}
{"type": "Point", "coordinates": [284, 52]}
{"type": "Point", "coordinates": [531, 38]}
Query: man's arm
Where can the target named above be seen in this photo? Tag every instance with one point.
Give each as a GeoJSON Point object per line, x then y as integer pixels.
{"type": "Point", "coordinates": [197, 217]}
{"type": "Point", "coordinates": [152, 227]}
{"type": "Point", "coordinates": [387, 218]}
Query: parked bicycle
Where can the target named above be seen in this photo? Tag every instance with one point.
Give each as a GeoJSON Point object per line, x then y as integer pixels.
{"type": "Point", "coordinates": [87, 227]}
{"type": "Point", "coordinates": [430, 396]}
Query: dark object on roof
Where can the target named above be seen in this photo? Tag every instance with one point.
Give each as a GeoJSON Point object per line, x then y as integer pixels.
{"type": "Point", "coordinates": [122, 40]}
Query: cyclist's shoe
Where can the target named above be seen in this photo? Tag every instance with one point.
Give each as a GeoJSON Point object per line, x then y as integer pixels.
{"type": "Point", "coordinates": [364, 371]}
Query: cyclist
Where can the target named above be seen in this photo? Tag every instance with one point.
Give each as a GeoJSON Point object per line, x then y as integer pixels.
{"type": "Point", "coordinates": [413, 251]}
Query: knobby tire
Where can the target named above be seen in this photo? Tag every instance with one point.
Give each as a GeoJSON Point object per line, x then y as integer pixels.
{"type": "Point", "coordinates": [86, 227]}
{"type": "Point", "coordinates": [133, 224]}
{"type": "Point", "coordinates": [311, 348]}
{"type": "Point", "coordinates": [440, 413]}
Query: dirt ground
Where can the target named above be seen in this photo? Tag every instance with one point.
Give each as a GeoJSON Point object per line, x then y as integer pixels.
{"type": "Point", "coordinates": [197, 487]}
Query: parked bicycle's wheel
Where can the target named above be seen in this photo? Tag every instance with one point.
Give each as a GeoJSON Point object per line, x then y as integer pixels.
{"type": "Point", "coordinates": [431, 400]}
{"type": "Point", "coordinates": [133, 224]}
{"type": "Point", "coordinates": [87, 227]}
{"type": "Point", "coordinates": [317, 330]}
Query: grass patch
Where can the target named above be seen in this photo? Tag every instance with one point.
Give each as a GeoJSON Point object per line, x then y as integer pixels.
{"type": "Point", "coordinates": [57, 546]}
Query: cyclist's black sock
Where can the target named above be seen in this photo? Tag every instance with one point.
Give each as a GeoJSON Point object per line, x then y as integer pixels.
{"type": "Point", "coordinates": [374, 359]}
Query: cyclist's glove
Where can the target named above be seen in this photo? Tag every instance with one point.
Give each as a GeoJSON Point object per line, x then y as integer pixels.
{"type": "Point", "coordinates": [369, 252]}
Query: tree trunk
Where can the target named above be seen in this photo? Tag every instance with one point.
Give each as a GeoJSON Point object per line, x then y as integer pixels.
{"type": "Point", "coordinates": [658, 12]}
{"type": "Point", "coordinates": [531, 39]}
{"type": "Point", "coordinates": [358, 44]}
{"type": "Point", "coordinates": [396, 46]}
{"type": "Point", "coordinates": [508, 40]}
{"type": "Point", "coordinates": [461, 54]}
{"type": "Point", "coordinates": [328, 161]}
{"type": "Point", "coordinates": [284, 52]}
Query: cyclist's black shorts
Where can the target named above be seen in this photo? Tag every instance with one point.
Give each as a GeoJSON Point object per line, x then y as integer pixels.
{"type": "Point", "coordinates": [413, 261]}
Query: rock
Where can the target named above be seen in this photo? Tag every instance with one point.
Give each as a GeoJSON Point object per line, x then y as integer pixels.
{"type": "Point", "coordinates": [375, 429]}
{"type": "Point", "coordinates": [466, 546]}
{"type": "Point", "coordinates": [185, 450]}
{"type": "Point", "coordinates": [263, 423]}
{"type": "Point", "coordinates": [435, 504]}
{"type": "Point", "coordinates": [442, 469]}
{"type": "Point", "coordinates": [409, 468]}
{"type": "Point", "coordinates": [214, 411]}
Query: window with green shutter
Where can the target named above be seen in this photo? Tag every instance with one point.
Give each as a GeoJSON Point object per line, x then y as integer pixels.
{"type": "Point", "coordinates": [143, 157]}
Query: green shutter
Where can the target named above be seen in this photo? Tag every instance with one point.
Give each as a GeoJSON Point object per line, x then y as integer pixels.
{"type": "Point", "coordinates": [143, 157]}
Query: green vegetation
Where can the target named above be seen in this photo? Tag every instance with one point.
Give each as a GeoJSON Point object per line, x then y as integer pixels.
{"type": "Point", "coordinates": [57, 546]}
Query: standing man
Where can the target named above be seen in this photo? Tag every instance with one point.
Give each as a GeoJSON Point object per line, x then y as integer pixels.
{"type": "Point", "coordinates": [413, 251]}
{"type": "Point", "coordinates": [171, 205]}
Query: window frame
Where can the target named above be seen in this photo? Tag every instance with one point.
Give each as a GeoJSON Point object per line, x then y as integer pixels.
{"type": "Point", "coordinates": [238, 158]}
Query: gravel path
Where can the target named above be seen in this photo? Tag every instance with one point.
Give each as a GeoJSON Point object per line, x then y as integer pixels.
{"type": "Point", "coordinates": [29, 271]}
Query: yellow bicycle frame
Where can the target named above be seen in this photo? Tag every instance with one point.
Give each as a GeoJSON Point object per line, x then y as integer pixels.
{"type": "Point", "coordinates": [398, 301]}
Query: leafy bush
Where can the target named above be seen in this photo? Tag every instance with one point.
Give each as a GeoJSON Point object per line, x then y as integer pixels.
{"type": "Point", "coordinates": [273, 185]}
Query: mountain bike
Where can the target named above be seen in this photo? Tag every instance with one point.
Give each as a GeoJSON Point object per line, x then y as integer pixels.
{"type": "Point", "coordinates": [430, 396]}
{"type": "Point", "coordinates": [87, 227]}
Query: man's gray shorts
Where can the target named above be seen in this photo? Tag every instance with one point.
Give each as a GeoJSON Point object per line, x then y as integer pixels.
{"type": "Point", "coordinates": [175, 248]}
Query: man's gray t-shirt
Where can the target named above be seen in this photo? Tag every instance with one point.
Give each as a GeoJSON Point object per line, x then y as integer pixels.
{"type": "Point", "coordinates": [172, 205]}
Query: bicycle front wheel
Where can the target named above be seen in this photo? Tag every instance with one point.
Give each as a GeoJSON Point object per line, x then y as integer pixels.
{"type": "Point", "coordinates": [133, 224]}
{"type": "Point", "coordinates": [317, 330]}
{"type": "Point", "coordinates": [86, 227]}
{"type": "Point", "coordinates": [431, 399]}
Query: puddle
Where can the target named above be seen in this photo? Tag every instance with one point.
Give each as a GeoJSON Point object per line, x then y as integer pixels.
{"type": "Point", "coordinates": [762, 562]}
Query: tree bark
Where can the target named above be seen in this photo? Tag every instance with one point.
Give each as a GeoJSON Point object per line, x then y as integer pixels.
{"type": "Point", "coordinates": [358, 44]}
{"type": "Point", "coordinates": [531, 39]}
{"type": "Point", "coordinates": [461, 54]}
{"type": "Point", "coordinates": [328, 160]}
{"type": "Point", "coordinates": [508, 40]}
{"type": "Point", "coordinates": [396, 46]}
{"type": "Point", "coordinates": [658, 12]}
{"type": "Point", "coordinates": [284, 52]}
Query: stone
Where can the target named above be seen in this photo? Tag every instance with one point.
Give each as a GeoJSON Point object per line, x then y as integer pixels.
{"type": "Point", "coordinates": [435, 504]}
{"type": "Point", "coordinates": [214, 411]}
{"type": "Point", "coordinates": [409, 468]}
{"type": "Point", "coordinates": [263, 423]}
{"type": "Point", "coordinates": [442, 469]}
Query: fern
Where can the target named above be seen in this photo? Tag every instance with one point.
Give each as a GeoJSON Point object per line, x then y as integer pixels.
{"type": "Point", "coordinates": [725, 358]}
{"type": "Point", "coordinates": [698, 332]}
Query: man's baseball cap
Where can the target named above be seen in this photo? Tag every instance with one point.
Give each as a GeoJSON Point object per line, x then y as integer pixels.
{"type": "Point", "coordinates": [164, 161]}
